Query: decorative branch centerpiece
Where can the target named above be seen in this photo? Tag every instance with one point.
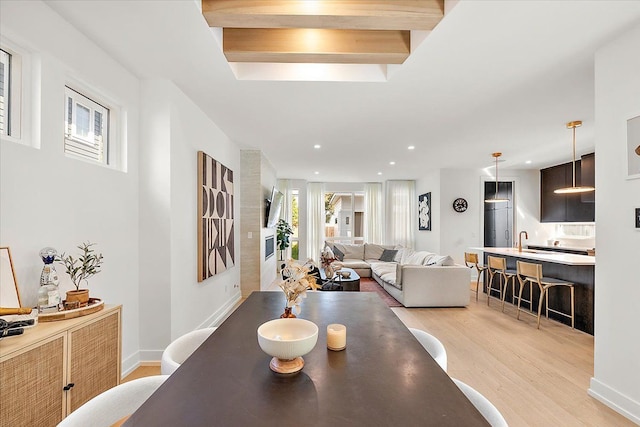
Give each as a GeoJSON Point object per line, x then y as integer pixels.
{"type": "Point", "coordinates": [81, 269]}
{"type": "Point", "coordinates": [295, 284]}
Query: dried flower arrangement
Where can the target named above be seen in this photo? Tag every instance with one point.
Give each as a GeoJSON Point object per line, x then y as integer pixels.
{"type": "Point", "coordinates": [327, 258]}
{"type": "Point", "coordinates": [296, 283]}
{"type": "Point", "coordinates": [329, 262]}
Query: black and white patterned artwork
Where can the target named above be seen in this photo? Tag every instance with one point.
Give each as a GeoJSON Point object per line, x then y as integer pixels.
{"type": "Point", "coordinates": [424, 212]}
{"type": "Point", "coordinates": [216, 252]}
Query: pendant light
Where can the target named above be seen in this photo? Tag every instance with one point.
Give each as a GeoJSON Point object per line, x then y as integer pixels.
{"type": "Point", "coordinates": [495, 198]}
{"type": "Point", "coordinates": [573, 189]}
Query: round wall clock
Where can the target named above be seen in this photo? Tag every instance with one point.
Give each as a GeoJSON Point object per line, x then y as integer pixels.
{"type": "Point", "coordinates": [460, 205]}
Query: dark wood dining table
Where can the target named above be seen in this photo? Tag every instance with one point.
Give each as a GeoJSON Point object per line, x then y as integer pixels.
{"type": "Point", "coordinates": [384, 377]}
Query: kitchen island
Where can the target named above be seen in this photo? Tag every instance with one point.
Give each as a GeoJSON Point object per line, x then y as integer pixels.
{"type": "Point", "coordinates": [578, 269]}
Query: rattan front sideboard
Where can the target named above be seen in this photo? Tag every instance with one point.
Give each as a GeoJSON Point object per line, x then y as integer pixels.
{"type": "Point", "coordinates": [53, 368]}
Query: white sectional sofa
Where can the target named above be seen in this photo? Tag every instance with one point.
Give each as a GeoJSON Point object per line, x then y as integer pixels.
{"type": "Point", "coordinates": [414, 278]}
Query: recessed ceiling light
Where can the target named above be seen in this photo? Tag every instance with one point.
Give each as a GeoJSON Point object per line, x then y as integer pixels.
{"type": "Point", "coordinates": [379, 173]}
{"type": "Point", "coordinates": [317, 146]}
{"type": "Point", "coordinates": [317, 173]}
{"type": "Point", "coordinates": [528, 162]}
{"type": "Point", "coordinates": [392, 163]}
{"type": "Point", "coordinates": [411, 147]}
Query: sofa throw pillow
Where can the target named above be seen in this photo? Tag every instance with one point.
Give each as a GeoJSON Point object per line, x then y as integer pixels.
{"type": "Point", "coordinates": [338, 253]}
{"type": "Point", "coordinates": [388, 255]}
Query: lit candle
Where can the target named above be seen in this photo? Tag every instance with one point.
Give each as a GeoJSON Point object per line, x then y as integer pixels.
{"type": "Point", "coordinates": [336, 337]}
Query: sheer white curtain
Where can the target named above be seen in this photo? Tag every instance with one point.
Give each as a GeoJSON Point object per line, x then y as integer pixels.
{"type": "Point", "coordinates": [284, 185]}
{"type": "Point", "coordinates": [401, 213]}
{"type": "Point", "coordinates": [373, 213]}
{"type": "Point", "coordinates": [315, 219]}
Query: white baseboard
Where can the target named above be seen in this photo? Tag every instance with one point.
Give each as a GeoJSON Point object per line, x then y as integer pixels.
{"type": "Point", "coordinates": [146, 357]}
{"type": "Point", "coordinates": [130, 364]}
{"type": "Point", "coordinates": [222, 313]}
{"type": "Point", "coordinates": [615, 400]}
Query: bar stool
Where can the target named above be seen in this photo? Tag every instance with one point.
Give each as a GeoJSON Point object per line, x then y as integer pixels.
{"type": "Point", "coordinates": [498, 267]}
{"type": "Point", "coordinates": [532, 273]}
{"type": "Point", "coordinates": [471, 261]}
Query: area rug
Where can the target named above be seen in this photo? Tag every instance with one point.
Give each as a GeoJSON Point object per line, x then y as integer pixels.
{"type": "Point", "coordinates": [370, 285]}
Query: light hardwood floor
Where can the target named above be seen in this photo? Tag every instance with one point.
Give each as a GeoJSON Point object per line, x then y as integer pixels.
{"type": "Point", "coordinates": [534, 377]}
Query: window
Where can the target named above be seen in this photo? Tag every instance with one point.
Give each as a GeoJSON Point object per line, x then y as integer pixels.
{"type": "Point", "coordinates": [5, 93]}
{"type": "Point", "coordinates": [13, 64]}
{"type": "Point", "coordinates": [344, 214]}
{"type": "Point", "coordinates": [87, 128]}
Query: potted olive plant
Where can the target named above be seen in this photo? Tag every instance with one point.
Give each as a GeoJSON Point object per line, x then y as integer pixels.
{"type": "Point", "coordinates": [81, 269]}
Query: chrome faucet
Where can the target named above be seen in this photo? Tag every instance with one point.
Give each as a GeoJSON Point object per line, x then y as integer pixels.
{"type": "Point", "coordinates": [526, 236]}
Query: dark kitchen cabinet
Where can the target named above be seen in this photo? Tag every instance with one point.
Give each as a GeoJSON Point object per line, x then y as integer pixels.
{"type": "Point", "coordinates": [567, 207]}
{"type": "Point", "coordinates": [588, 176]}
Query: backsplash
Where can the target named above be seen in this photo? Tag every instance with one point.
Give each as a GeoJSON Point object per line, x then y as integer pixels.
{"type": "Point", "coordinates": [576, 235]}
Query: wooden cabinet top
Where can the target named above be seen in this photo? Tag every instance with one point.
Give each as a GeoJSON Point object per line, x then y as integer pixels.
{"type": "Point", "coordinates": [44, 330]}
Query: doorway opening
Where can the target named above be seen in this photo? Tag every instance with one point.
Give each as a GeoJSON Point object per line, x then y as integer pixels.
{"type": "Point", "coordinates": [498, 217]}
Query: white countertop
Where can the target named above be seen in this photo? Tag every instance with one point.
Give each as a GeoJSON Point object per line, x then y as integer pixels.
{"type": "Point", "coordinates": [539, 255]}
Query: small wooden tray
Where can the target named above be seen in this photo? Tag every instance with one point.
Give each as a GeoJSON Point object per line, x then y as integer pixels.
{"type": "Point", "coordinates": [95, 304]}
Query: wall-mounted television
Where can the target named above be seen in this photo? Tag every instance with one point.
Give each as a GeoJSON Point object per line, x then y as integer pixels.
{"type": "Point", "coordinates": [274, 205]}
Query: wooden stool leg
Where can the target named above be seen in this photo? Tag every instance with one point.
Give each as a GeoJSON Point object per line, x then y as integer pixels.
{"type": "Point", "coordinates": [489, 287]}
{"type": "Point", "coordinates": [477, 284]}
{"type": "Point", "coordinates": [542, 295]}
{"type": "Point", "coordinates": [520, 296]}
{"type": "Point", "coordinates": [546, 303]}
{"type": "Point", "coordinates": [504, 294]}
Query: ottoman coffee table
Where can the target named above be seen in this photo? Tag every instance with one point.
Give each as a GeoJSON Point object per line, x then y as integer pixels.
{"type": "Point", "coordinates": [339, 282]}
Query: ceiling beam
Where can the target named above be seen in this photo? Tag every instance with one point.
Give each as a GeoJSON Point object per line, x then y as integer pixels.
{"type": "Point", "coordinates": [330, 14]}
{"type": "Point", "coordinates": [301, 45]}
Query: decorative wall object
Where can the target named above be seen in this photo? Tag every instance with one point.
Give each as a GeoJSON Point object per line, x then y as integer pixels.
{"type": "Point", "coordinates": [633, 148]}
{"type": "Point", "coordinates": [638, 219]}
{"type": "Point", "coordinates": [424, 212]}
{"type": "Point", "coordinates": [216, 249]}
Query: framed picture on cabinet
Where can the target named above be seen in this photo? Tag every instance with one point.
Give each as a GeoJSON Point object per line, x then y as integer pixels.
{"type": "Point", "coordinates": [633, 147]}
{"type": "Point", "coordinates": [9, 294]}
{"type": "Point", "coordinates": [424, 212]}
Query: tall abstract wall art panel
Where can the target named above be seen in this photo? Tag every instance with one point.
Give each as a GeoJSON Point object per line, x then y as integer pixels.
{"type": "Point", "coordinates": [424, 211]}
{"type": "Point", "coordinates": [216, 251]}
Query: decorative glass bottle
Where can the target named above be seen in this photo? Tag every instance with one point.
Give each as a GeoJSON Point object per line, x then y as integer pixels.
{"type": "Point", "coordinates": [48, 295]}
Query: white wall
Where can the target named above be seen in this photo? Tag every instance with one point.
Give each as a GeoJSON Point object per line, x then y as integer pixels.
{"type": "Point", "coordinates": [193, 304]}
{"type": "Point", "coordinates": [173, 302]}
{"type": "Point", "coordinates": [144, 219]}
{"type": "Point", "coordinates": [616, 379]}
{"type": "Point", "coordinates": [155, 219]}
{"type": "Point", "coordinates": [47, 199]}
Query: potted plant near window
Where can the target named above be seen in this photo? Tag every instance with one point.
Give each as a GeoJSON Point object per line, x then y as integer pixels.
{"type": "Point", "coordinates": [81, 269]}
{"type": "Point", "coordinates": [283, 231]}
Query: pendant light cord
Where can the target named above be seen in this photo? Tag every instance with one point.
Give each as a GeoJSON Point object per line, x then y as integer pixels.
{"type": "Point", "coordinates": [574, 156]}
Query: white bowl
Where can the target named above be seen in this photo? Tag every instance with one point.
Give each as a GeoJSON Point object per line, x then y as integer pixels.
{"type": "Point", "coordinates": [287, 338]}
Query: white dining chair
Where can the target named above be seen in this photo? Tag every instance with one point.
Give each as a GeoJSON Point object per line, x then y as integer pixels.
{"type": "Point", "coordinates": [180, 349]}
{"type": "Point", "coordinates": [482, 404]}
{"type": "Point", "coordinates": [110, 406]}
{"type": "Point", "coordinates": [433, 346]}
